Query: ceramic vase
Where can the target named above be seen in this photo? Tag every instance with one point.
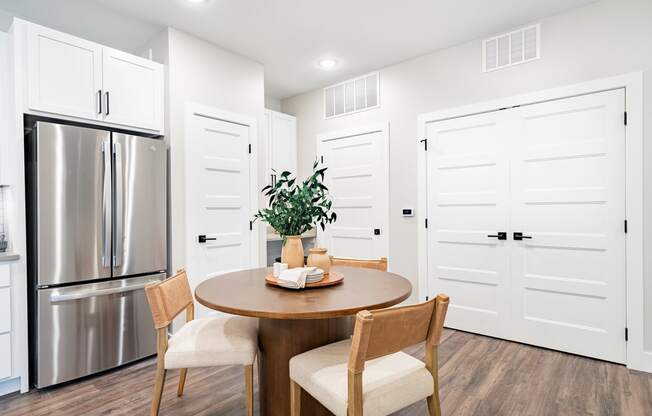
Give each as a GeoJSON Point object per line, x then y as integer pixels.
{"type": "Point", "coordinates": [292, 252]}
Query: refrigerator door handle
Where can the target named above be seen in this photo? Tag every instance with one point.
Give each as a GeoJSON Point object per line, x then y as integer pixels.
{"type": "Point", "coordinates": [63, 297]}
{"type": "Point", "coordinates": [119, 206]}
{"type": "Point", "coordinates": [106, 204]}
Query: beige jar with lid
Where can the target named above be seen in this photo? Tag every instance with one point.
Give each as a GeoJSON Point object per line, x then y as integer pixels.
{"type": "Point", "coordinates": [317, 257]}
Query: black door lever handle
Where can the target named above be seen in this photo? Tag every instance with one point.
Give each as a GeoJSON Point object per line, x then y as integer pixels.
{"type": "Point", "coordinates": [501, 235]}
{"type": "Point", "coordinates": [203, 239]}
{"type": "Point", "coordinates": [518, 236]}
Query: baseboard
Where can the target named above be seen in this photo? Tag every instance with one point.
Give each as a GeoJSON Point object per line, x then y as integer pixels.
{"type": "Point", "coordinates": [10, 385]}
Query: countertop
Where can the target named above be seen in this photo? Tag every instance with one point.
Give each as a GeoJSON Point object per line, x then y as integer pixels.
{"type": "Point", "coordinates": [4, 257]}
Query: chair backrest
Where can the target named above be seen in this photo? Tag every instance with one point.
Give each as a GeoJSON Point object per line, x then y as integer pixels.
{"type": "Point", "coordinates": [169, 298]}
{"type": "Point", "coordinates": [387, 331]}
{"type": "Point", "coordinates": [380, 264]}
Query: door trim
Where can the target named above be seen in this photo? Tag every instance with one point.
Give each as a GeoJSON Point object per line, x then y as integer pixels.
{"type": "Point", "coordinates": [383, 128]}
{"type": "Point", "coordinates": [195, 109]}
{"type": "Point", "coordinates": [637, 357]}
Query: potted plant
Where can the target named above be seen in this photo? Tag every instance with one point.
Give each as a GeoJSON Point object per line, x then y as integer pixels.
{"type": "Point", "coordinates": [295, 208]}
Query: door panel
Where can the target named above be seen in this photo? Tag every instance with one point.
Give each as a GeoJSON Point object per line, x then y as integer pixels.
{"type": "Point", "coordinates": [133, 90]}
{"type": "Point", "coordinates": [218, 204]}
{"type": "Point", "coordinates": [140, 217]}
{"type": "Point", "coordinates": [357, 178]}
{"type": "Point", "coordinates": [569, 196]}
{"type": "Point", "coordinates": [88, 328]}
{"type": "Point", "coordinates": [72, 208]}
{"type": "Point", "coordinates": [468, 183]}
{"type": "Point", "coordinates": [65, 73]}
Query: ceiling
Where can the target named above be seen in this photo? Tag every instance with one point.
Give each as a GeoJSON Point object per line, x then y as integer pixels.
{"type": "Point", "coordinates": [290, 36]}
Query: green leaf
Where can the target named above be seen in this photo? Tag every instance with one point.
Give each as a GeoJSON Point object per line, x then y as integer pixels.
{"type": "Point", "coordinates": [292, 208]}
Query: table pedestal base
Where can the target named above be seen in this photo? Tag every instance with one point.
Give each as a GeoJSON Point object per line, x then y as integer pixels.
{"type": "Point", "coordinates": [279, 340]}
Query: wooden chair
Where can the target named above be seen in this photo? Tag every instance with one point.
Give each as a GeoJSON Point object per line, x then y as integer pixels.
{"type": "Point", "coordinates": [332, 374]}
{"type": "Point", "coordinates": [380, 264]}
{"type": "Point", "coordinates": [203, 342]}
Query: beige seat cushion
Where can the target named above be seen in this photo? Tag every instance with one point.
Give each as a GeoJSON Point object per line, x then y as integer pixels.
{"type": "Point", "coordinates": [389, 383]}
{"type": "Point", "coordinates": [213, 341]}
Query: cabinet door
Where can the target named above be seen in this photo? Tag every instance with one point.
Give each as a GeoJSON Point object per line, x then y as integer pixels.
{"type": "Point", "coordinates": [5, 118]}
{"type": "Point", "coordinates": [5, 355]}
{"type": "Point", "coordinates": [5, 309]}
{"type": "Point", "coordinates": [65, 73]}
{"type": "Point", "coordinates": [133, 90]}
{"type": "Point", "coordinates": [283, 143]}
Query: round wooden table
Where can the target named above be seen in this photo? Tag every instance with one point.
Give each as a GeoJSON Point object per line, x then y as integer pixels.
{"type": "Point", "coordinates": [295, 321]}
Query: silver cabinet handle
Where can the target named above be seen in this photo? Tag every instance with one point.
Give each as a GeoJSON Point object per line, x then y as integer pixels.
{"type": "Point", "coordinates": [63, 297]}
{"type": "Point", "coordinates": [106, 204]}
{"type": "Point", "coordinates": [107, 102]}
{"type": "Point", "coordinates": [99, 101]}
{"type": "Point", "coordinates": [118, 239]}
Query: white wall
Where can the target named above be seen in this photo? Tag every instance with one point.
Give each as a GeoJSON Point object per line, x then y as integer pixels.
{"type": "Point", "coordinates": [272, 103]}
{"type": "Point", "coordinates": [200, 72]}
{"type": "Point", "coordinates": [606, 38]}
{"type": "Point", "coordinates": [87, 19]}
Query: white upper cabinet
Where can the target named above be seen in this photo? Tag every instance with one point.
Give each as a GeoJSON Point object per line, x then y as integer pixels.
{"type": "Point", "coordinates": [133, 93]}
{"type": "Point", "coordinates": [64, 73]}
{"type": "Point", "coordinates": [75, 78]}
{"type": "Point", "coordinates": [5, 111]}
{"type": "Point", "coordinates": [281, 144]}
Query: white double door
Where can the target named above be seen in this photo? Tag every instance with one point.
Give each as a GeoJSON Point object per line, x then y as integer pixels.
{"type": "Point", "coordinates": [554, 172]}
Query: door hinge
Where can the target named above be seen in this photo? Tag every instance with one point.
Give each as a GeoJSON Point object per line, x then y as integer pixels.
{"type": "Point", "coordinates": [249, 148]}
{"type": "Point", "coordinates": [625, 226]}
{"type": "Point", "coordinates": [625, 118]}
{"type": "Point", "coordinates": [251, 225]}
{"type": "Point", "coordinates": [626, 334]}
{"type": "Point", "coordinates": [425, 144]}
{"type": "Point", "coordinates": [426, 222]}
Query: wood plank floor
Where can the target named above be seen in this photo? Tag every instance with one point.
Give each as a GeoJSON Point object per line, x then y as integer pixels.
{"type": "Point", "coordinates": [479, 376]}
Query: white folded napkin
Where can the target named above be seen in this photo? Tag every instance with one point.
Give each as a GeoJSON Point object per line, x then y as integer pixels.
{"type": "Point", "coordinates": [295, 278]}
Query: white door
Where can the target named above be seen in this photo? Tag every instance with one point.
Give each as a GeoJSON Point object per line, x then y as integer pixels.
{"type": "Point", "coordinates": [133, 90]}
{"type": "Point", "coordinates": [358, 180]}
{"type": "Point", "coordinates": [568, 195]}
{"type": "Point", "coordinates": [282, 143]}
{"type": "Point", "coordinates": [468, 191]}
{"type": "Point", "coordinates": [218, 196]}
{"type": "Point", "coordinates": [64, 73]}
{"type": "Point", "coordinates": [555, 173]}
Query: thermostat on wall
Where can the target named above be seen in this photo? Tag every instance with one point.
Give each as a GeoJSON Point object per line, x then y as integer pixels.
{"type": "Point", "coordinates": [407, 212]}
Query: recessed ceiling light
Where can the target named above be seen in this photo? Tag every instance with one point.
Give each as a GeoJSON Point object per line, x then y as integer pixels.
{"type": "Point", "coordinates": [327, 64]}
{"type": "Point", "coordinates": [196, 1]}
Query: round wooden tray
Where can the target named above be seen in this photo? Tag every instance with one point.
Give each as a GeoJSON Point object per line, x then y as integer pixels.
{"type": "Point", "coordinates": [332, 278]}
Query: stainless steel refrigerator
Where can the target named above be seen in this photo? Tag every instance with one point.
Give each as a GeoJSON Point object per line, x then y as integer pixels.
{"type": "Point", "coordinates": [96, 203]}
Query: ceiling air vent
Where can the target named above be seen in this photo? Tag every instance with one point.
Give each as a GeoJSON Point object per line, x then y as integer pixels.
{"type": "Point", "coordinates": [351, 96]}
{"type": "Point", "coordinates": [511, 48]}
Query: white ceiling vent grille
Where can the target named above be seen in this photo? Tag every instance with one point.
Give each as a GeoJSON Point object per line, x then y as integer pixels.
{"type": "Point", "coordinates": [513, 48]}
{"type": "Point", "coordinates": [352, 96]}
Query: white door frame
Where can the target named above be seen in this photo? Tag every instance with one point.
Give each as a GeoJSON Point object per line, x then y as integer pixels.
{"type": "Point", "coordinates": [195, 109]}
{"type": "Point", "coordinates": [637, 357]}
{"type": "Point", "coordinates": [383, 128]}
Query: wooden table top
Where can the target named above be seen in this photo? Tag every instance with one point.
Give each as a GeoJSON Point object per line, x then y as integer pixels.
{"type": "Point", "coordinates": [246, 293]}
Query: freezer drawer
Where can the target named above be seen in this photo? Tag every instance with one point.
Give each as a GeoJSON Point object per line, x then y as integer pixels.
{"type": "Point", "coordinates": [89, 328]}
